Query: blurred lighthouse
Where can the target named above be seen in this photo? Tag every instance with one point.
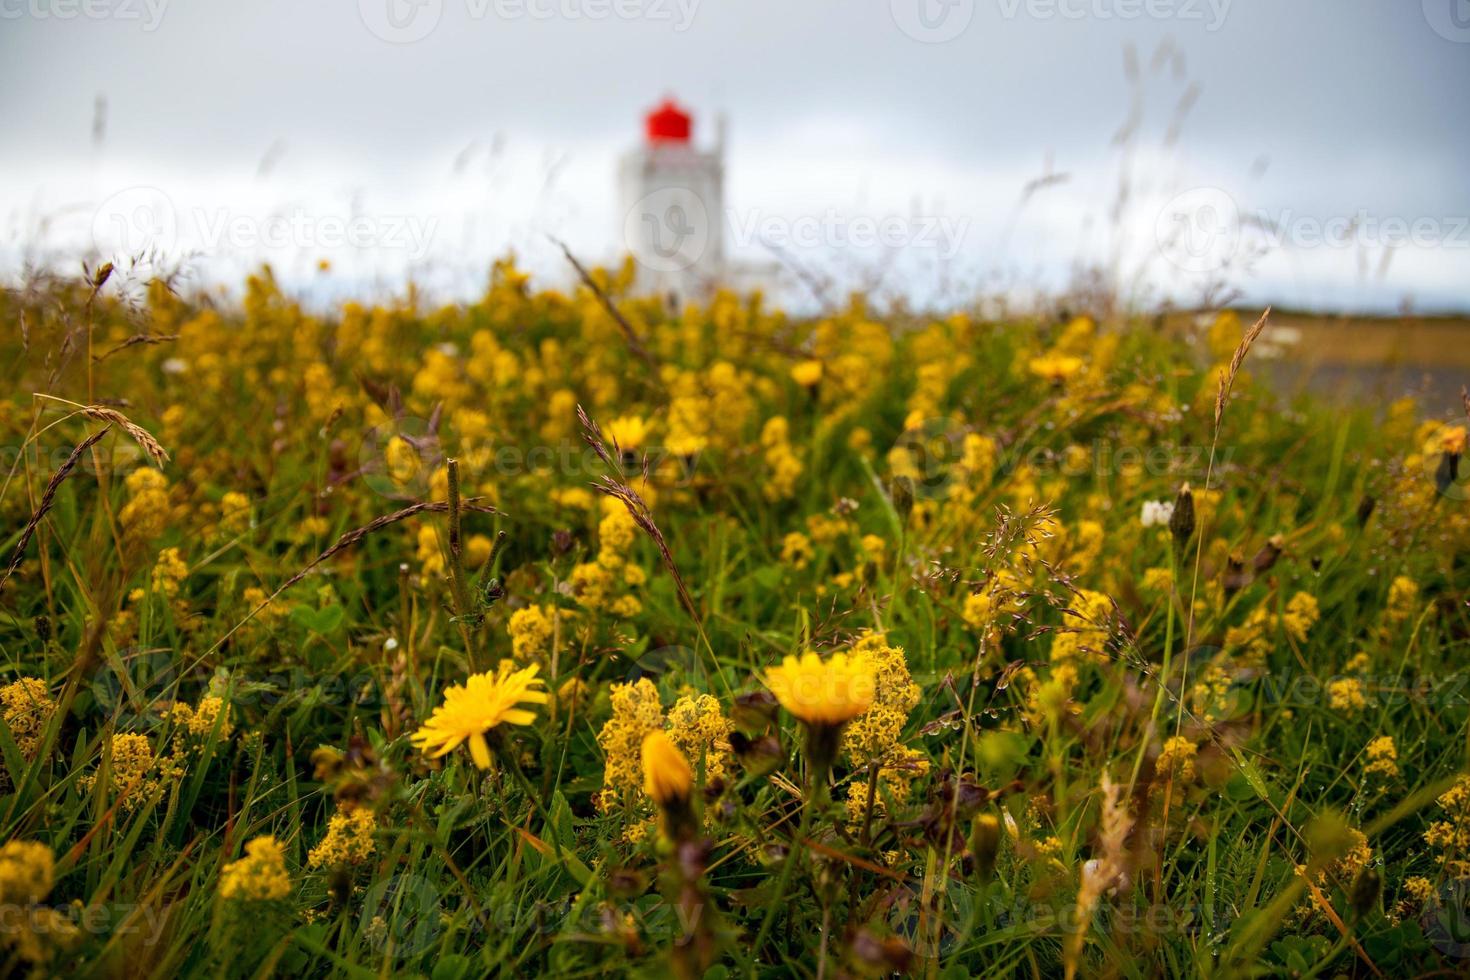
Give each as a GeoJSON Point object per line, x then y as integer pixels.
{"type": "Point", "coordinates": [673, 206]}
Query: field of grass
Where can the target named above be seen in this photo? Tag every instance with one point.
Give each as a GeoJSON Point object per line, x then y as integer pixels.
{"type": "Point", "coordinates": [452, 642]}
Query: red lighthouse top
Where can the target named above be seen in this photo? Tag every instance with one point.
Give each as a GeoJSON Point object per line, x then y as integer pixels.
{"type": "Point", "coordinates": [667, 124]}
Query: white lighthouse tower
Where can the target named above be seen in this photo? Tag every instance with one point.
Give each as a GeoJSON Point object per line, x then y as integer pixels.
{"type": "Point", "coordinates": [673, 206]}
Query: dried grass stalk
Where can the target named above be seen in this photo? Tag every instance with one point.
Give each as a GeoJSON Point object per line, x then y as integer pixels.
{"type": "Point", "coordinates": [133, 341]}
{"type": "Point", "coordinates": [637, 507]}
{"type": "Point", "coordinates": [1102, 873]}
{"type": "Point", "coordinates": [140, 435]}
{"type": "Point", "coordinates": [376, 524]}
{"type": "Point", "coordinates": [48, 498]}
{"type": "Point", "coordinates": [629, 334]}
{"type": "Point", "coordinates": [1227, 377]}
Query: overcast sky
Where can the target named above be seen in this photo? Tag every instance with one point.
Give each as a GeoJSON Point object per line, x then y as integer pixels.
{"type": "Point", "coordinates": [1330, 135]}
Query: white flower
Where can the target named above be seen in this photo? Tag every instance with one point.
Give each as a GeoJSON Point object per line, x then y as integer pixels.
{"type": "Point", "coordinates": [1157, 513]}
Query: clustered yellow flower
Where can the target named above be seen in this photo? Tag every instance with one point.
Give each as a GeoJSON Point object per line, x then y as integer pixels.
{"type": "Point", "coordinates": [696, 726]}
{"type": "Point", "coordinates": [480, 704]}
{"type": "Point", "coordinates": [1347, 695]}
{"type": "Point", "coordinates": [783, 466]}
{"type": "Point", "coordinates": [1383, 757]}
{"type": "Point", "coordinates": [169, 572]}
{"type": "Point", "coordinates": [1086, 625]}
{"type": "Point", "coordinates": [211, 716]}
{"type": "Point", "coordinates": [259, 876]}
{"type": "Point", "coordinates": [604, 583]}
{"type": "Point", "coordinates": [26, 707]}
{"type": "Point", "coordinates": [1403, 597]}
{"type": "Point", "coordinates": [796, 550]}
{"type": "Point", "coordinates": [699, 728]}
{"type": "Point", "coordinates": [133, 776]}
{"type": "Point", "coordinates": [33, 933]}
{"type": "Point", "coordinates": [1209, 696]}
{"type": "Point", "coordinates": [1176, 761]}
{"type": "Point", "coordinates": [234, 512]}
{"type": "Point", "coordinates": [349, 839]}
{"type": "Point", "coordinates": [636, 712]}
{"type": "Point", "coordinates": [145, 515]}
{"type": "Point", "coordinates": [1451, 835]}
{"type": "Point", "coordinates": [1253, 640]}
{"type": "Point", "coordinates": [531, 630]}
{"type": "Point", "coordinates": [873, 734]}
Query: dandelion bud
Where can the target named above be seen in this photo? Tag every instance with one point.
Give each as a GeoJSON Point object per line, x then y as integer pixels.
{"type": "Point", "coordinates": [1181, 523]}
{"type": "Point", "coordinates": [902, 492]}
{"type": "Point", "coordinates": [1366, 888]}
{"type": "Point", "coordinates": [1448, 471]}
{"type": "Point", "coordinates": [668, 780]}
{"type": "Point", "coordinates": [327, 763]}
{"type": "Point", "coordinates": [754, 711]}
{"type": "Point", "coordinates": [875, 957]}
{"type": "Point", "coordinates": [667, 777]}
{"type": "Point", "coordinates": [760, 756]}
{"type": "Point", "coordinates": [985, 845]}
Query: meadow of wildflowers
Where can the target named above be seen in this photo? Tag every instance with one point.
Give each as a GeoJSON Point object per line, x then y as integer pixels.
{"type": "Point", "coordinates": [573, 634]}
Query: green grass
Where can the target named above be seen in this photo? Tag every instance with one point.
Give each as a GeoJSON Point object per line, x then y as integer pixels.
{"type": "Point", "coordinates": [487, 873]}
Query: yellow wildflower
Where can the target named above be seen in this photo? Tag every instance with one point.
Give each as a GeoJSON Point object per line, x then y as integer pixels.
{"type": "Point", "coordinates": [26, 706]}
{"type": "Point", "coordinates": [1382, 757]}
{"type": "Point", "coordinates": [259, 876]}
{"type": "Point", "coordinates": [530, 630]}
{"type": "Point", "coordinates": [482, 703]}
{"type": "Point", "coordinates": [818, 692]}
{"type": "Point", "coordinates": [807, 373]}
{"type": "Point", "coordinates": [349, 840]}
{"type": "Point", "coordinates": [1176, 761]}
{"type": "Point", "coordinates": [635, 712]}
{"type": "Point", "coordinates": [667, 777]}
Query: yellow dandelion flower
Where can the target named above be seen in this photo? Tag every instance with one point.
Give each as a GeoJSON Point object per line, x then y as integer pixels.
{"type": "Point", "coordinates": [628, 431]}
{"type": "Point", "coordinates": [823, 692]}
{"type": "Point", "coordinates": [481, 703]}
{"type": "Point", "coordinates": [807, 373]}
{"type": "Point", "coordinates": [1055, 368]}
